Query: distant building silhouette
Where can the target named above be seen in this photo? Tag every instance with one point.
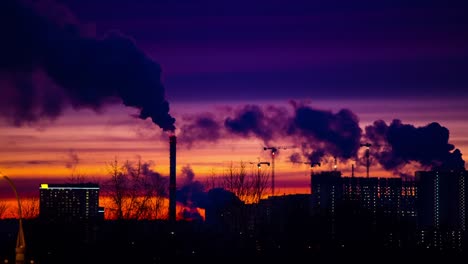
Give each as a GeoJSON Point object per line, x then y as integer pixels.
{"type": "Point", "coordinates": [224, 210]}
{"type": "Point", "coordinates": [433, 204]}
{"type": "Point", "coordinates": [282, 210]}
{"type": "Point", "coordinates": [390, 196]}
{"type": "Point", "coordinates": [365, 207]}
{"type": "Point", "coordinates": [69, 202]}
{"type": "Point", "coordinates": [441, 203]}
{"type": "Point", "coordinates": [327, 191]}
{"type": "Point", "coordinates": [361, 191]}
{"type": "Point", "coordinates": [442, 199]}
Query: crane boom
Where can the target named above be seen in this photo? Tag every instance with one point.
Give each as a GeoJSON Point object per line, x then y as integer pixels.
{"type": "Point", "coordinates": [274, 150]}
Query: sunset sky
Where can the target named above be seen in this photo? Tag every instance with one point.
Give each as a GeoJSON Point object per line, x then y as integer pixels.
{"type": "Point", "coordinates": [382, 60]}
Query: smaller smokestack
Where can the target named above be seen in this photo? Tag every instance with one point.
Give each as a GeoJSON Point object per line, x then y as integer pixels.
{"type": "Point", "coordinates": [352, 170]}
{"type": "Point", "coordinates": [172, 178]}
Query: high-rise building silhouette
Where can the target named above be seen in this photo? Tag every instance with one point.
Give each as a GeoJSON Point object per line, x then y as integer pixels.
{"type": "Point", "coordinates": [442, 199]}
{"type": "Point", "coordinates": [327, 191]}
{"type": "Point", "coordinates": [69, 202]}
{"type": "Point", "coordinates": [441, 203]}
{"type": "Point", "coordinates": [391, 196]}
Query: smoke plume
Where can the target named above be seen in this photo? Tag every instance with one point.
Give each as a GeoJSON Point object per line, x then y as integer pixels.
{"type": "Point", "coordinates": [315, 155]}
{"type": "Point", "coordinates": [200, 128]}
{"type": "Point", "coordinates": [325, 133]}
{"type": "Point", "coordinates": [398, 144]}
{"type": "Point", "coordinates": [48, 63]}
{"type": "Point", "coordinates": [188, 173]}
{"type": "Point", "coordinates": [252, 120]}
{"type": "Point", "coordinates": [192, 193]}
{"type": "Point", "coordinates": [73, 159]}
{"type": "Point", "coordinates": [295, 158]}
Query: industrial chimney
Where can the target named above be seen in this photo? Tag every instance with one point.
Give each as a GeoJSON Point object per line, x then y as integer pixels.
{"type": "Point", "coordinates": [172, 178]}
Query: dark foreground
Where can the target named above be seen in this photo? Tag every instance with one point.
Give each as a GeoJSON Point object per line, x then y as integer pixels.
{"type": "Point", "coordinates": [160, 242]}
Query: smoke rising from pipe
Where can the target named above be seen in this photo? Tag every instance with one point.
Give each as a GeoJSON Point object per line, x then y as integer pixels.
{"type": "Point", "coordinates": [192, 193]}
{"type": "Point", "coordinates": [319, 132]}
{"type": "Point", "coordinates": [323, 134]}
{"type": "Point", "coordinates": [47, 63]}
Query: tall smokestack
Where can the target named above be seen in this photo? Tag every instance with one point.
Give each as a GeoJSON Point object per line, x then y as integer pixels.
{"type": "Point", "coordinates": [172, 178]}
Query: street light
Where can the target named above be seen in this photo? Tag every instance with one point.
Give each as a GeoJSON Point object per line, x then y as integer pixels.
{"type": "Point", "coordinates": [20, 242]}
{"type": "Point", "coordinates": [259, 181]}
{"type": "Point", "coordinates": [259, 165]}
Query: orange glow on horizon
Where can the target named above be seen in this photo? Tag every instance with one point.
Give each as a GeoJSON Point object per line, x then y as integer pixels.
{"type": "Point", "coordinates": [42, 152]}
{"type": "Point", "coordinates": [29, 212]}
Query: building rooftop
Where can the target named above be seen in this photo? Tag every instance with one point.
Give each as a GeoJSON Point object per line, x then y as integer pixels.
{"type": "Point", "coordinates": [69, 186]}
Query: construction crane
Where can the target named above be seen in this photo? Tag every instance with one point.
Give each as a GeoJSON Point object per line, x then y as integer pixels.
{"type": "Point", "coordinates": [312, 165]}
{"type": "Point", "coordinates": [273, 151]}
{"type": "Point", "coordinates": [367, 145]}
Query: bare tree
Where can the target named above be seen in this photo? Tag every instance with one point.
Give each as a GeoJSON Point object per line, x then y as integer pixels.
{"type": "Point", "coordinates": [30, 206]}
{"type": "Point", "coordinates": [213, 181]}
{"type": "Point", "coordinates": [116, 188]}
{"type": "Point", "coordinates": [259, 184]}
{"type": "Point", "coordinates": [248, 187]}
{"type": "Point", "coordinates": [72, 162]}
{"type": "Point", "coordinates": [136, 197]}
{"type": "Point", "coordinates": [237, 181]}
{"type": "Point", "coordinates": [77, 176]}
{"type": "Point", "coordinates": [3, 209]}
{"type": "Point", "coordinates": [159, 186]}
{"type": "Point", "coordinates": [136, 191]}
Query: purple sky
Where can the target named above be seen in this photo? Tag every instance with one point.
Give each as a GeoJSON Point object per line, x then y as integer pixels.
{"type": "Point", "coordinates": [225, 50]}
